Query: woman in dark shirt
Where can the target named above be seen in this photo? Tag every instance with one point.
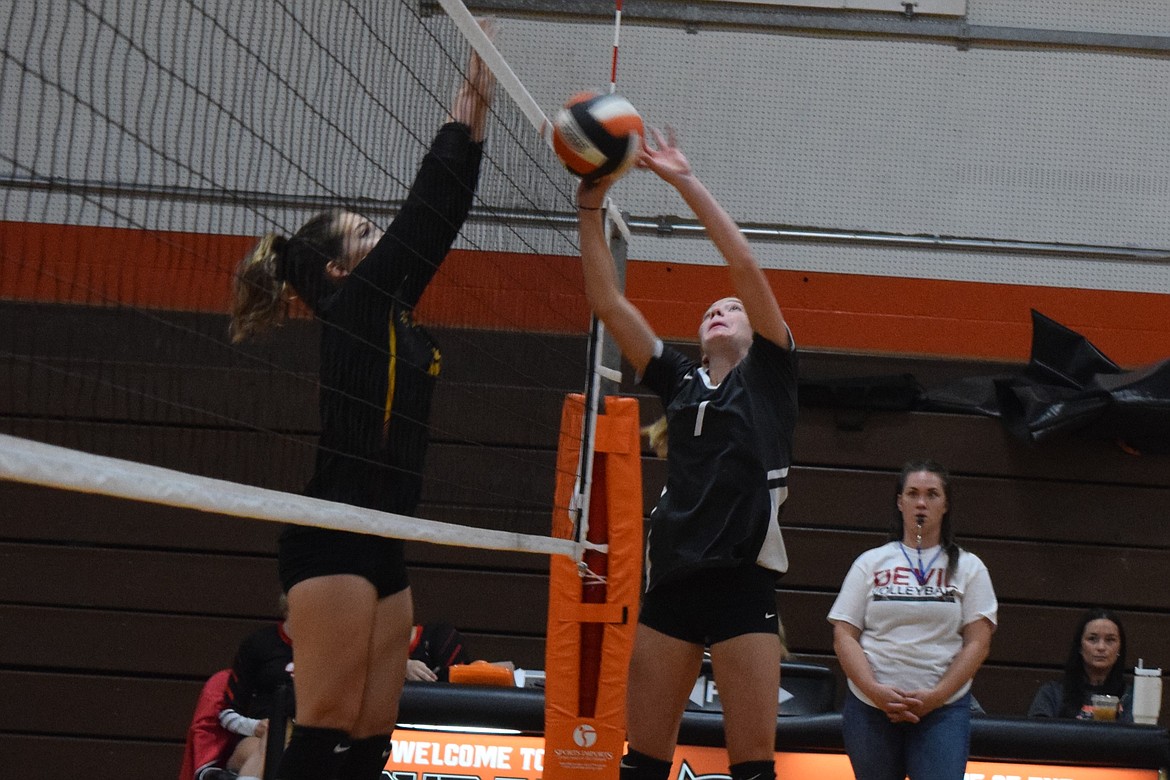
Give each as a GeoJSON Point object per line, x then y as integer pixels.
{"type": "Point", "coordinates": [349, 599]}
{"type": "Point", "coordinates": [1095, 665]}
{"type": "Point", "coordinates": [263, 665]}
{"type": "Point", "coordinates": [715, 548]}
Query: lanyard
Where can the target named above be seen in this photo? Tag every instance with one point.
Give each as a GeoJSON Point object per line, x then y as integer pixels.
{"type": "Point", "coordinates": [921, 573]}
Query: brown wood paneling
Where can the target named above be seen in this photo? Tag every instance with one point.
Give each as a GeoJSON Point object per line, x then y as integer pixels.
{"type": "Point", "coordinates": [114, 601]}
{"type": "Point", "coordinates": [1039, 636]}
{"type": "Point", "coordinates": [482, 601]}
{"type": "Point", "coordinates": [928, 371]}
{"type": "Point", "coordinates": [140, 580]}
{"type": "Point", "coordinates": [56, 757]}
{"type": "Point", "coordinates": [820, 559]}
{"type": "Point", "coordinates": [1071, 574]}
{"type": "Point", "coordinates": [211, 396]}
{"type": "Point", "coordinates": [970, 445]}
{"type": "Point", "coordinates": [127, 335]}
{"type": "Point", "coordinates": [471, 474]}
{"type": "Point", "coordinates": [137, 337]}
{"type": "Point", "coordinates": [1007, 691]}
{"type": "Point", "coordinates": [96, 706]}
{"type": "Point", "coordinates": [509, 478]}
{"type": "Point", "coordinates": [803, 614]}
{"type": "Point", "coordinates": [38, 514]}
{"type": "Point", "coordinates": [69, 579]}
{"type": "Point", "coordinates": [505, 416]}
{"type": "Point", "coordinates": [534, 521]}
{"type": "Point", "coordinates": [115, 642]}
{"type": "Point", "coordinates": [1010, 508]}
{"type": "Point", "coordinates": [88, 623]}
{"type": "Point", "coordinates": [238, 456]}
{"type": "Point", "coordinates": [510, 358]}
{"type": "Point", "coordinates": [33, 513]}
{"type": "Point", "coordinates": [1024, 509]}
{"type": "Point", "coordinates": [254, 400]}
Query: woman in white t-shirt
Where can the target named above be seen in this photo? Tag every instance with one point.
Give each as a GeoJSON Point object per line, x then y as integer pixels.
{"type": "Point", "coordinates": [911, 626]}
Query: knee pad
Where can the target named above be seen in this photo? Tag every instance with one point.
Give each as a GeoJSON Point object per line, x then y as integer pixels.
{"type": "Point", "coordinates": [312, 753]}
{"type": "Point", "coordinates": [365, 759]}
{"type": "Point", "coordinates": [639, 766]}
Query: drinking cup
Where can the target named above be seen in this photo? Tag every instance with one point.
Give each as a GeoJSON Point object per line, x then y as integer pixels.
{"type": "Point", "coordinates": [1104, 706]}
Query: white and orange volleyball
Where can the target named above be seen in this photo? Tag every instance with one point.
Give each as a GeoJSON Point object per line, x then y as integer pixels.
{"type": "Point", "coordinates": [597, 135]}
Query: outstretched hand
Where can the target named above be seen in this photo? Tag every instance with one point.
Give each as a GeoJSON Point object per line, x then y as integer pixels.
{"type": "Point", "coordinates": [664, 157]}
{"type": "Point", "coordinates": [475, 95]}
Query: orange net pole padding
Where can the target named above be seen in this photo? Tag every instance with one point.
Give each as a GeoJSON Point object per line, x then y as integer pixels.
{"type": "Point", "coordinates": [591, 628]}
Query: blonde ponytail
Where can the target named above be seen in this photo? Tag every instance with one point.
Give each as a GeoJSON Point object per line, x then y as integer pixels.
{"type": "Point", "coordinates": [655, 432]}
{"type": "Point", "coordinates": [258, 294]}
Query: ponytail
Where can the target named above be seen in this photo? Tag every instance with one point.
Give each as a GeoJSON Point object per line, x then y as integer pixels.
{"type": "Point", "coordinates": [655, 432]}
{"type": "Point", "coordinates": [953, 552]}
{"type": "Point", "coordinates": [258, 289]}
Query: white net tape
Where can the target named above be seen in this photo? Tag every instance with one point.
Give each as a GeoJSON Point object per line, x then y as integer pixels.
{"type": "Point", "coordinates": [22, 460]}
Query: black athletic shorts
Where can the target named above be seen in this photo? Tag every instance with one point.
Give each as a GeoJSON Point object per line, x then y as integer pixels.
{"type": "Point", "coordinates": [307, 552]}
{"type": "Point", "coordinates": [713, 605]}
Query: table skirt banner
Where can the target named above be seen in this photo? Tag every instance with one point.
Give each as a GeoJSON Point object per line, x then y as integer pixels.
{"type": "Point", "coordinates": [425, 755]}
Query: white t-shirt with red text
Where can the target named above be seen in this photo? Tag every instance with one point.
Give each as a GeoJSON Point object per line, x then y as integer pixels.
{"type": "Point", "coordinates": [911, 621]}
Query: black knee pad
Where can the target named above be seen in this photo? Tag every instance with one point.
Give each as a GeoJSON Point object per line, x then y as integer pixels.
{"type": "Point", "coordinates": [312, 753]}
{"type": "Point", "coordinates": [365, 759]}
{"type": "Point", "coordinates": [754, 770]}
{"type": "Point", "coordinates": [639, 766]}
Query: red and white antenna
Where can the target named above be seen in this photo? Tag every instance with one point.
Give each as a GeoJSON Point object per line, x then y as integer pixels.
{"type": "Point", "coordinates": [617, 29]}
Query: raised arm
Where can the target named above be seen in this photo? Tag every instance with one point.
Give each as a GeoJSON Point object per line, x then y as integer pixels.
{"type": "Point", "coordinates": [751, 286]}
{"type": "Point", "coordinates": [475, 96]}
{"type": "Point", "coordinates": [417, 241]}
{"type": "Point", "coordinates": [629, 328]}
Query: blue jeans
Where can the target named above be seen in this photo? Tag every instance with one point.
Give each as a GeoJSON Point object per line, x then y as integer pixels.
{"type": "Point", "coordinates": [935, 748]}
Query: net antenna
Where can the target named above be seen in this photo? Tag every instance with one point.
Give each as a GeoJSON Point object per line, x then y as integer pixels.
{"type": "Point", "coordinates": [617, 29]}
{"type": "Point", "coordinates": [604, 361]}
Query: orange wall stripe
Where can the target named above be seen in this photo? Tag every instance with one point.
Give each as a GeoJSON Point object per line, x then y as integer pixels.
{"type": "Point", "coordinates": [914, 316]}
{"type": "Point", "coordinates": [513, 291]}
{"type": "Point", "coordinates": [102, 266]}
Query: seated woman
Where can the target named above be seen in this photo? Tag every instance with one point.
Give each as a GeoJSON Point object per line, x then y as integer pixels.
{"type": "Point", "coordinates": [434, 649]}
{"type": "Point", "coordinates": [264, 663]}
{"type": "Point", "coordinates": [1095, 665]}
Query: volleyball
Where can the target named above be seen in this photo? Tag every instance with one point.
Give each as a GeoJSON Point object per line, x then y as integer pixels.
{"type": "Point", "coordinates": [597, 135]}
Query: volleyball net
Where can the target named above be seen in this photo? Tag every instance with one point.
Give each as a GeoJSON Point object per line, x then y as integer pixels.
{"type": "Point", "coordinates": [144, 147]}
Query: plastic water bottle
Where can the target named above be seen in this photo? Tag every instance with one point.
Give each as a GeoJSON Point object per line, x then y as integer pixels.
{"type": "Point", "coordinates": [1147, 694]}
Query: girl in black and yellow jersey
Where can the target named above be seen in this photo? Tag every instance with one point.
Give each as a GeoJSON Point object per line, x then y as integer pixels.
{"type": "Point", "coordinates": [348, 595]}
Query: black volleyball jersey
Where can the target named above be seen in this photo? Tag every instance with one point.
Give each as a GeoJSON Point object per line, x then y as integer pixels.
{"type": "Point", "coordinates": [729, 450]}
{"type": "Point", "coordinates": [378, 366]}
